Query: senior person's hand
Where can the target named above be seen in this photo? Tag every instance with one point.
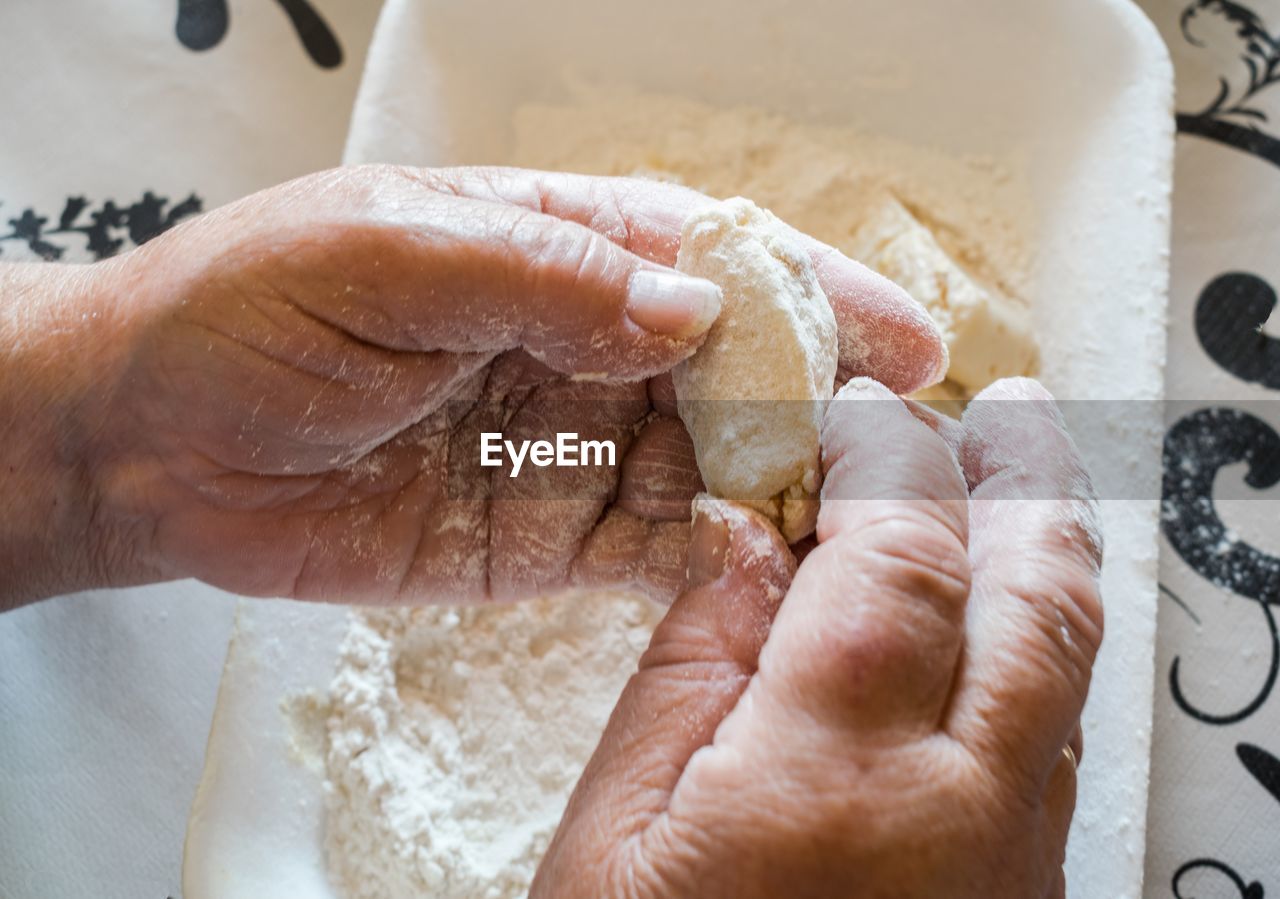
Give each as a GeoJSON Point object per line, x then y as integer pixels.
{"type": "Point", "coordinates": [285, 396]}
{"type": "Point", "coordinates": [899, 730]}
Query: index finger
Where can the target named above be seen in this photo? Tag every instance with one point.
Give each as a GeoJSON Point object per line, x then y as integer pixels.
{"type": "Point", "coordinates": [884, 333]}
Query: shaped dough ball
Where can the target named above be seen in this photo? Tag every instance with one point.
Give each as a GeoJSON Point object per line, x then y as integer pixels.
{"type": "Point", "coordinates": [754, 395]}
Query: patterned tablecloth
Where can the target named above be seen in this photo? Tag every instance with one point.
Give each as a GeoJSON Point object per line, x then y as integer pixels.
{"type": "Point", "coordinates": [134, 118]}
{"type": "Point", "coordinates": [1214, 821]}
{"type": "Point", "coordinates": [117, 121]}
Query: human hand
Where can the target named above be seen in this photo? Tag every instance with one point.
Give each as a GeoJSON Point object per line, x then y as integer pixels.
{"type": "Point", "coordinates": [284, 397]}
{"type": "Point", "coordinates": [898, 729]}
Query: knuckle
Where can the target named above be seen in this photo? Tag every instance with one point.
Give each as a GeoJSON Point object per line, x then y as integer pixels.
{"type": "Point", "coordinates": [900, 587]}
{"type": "Point", "coordinates": [558, 256]}
{"type": "Point", "coordinates": [1067, 527]}
{"type": "Point", "coordinates": [904, 616]}
{"type": "Point", "coordinates": [1084, 610]}
{"type": "Point", "coordinates": [1064, 600]}
{"type": "Point", "coordinates": [1073, 659]}
{"type": "Point", "coordinates": [660, 474]}
{"type": "Point", "coordinates": [910, 549]}
{"type": "Point", "coordinates": [379, 172]}
{"type": "Point", "coordinates": [608, 219]}
{"type": "Point", "coordinates": [368, 181]}
{"type": "Point", "coordinates": [579, 253]}
{"type": "Point", "coordinates": [633, 871]}
{"type": "Point", "coordinates": [1084, 529]}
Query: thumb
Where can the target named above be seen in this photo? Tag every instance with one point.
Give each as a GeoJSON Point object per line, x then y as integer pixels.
{"type": "Point", "coordinates": [399, 265]}
{"type": "Point", "coordinates": [584, 305]}
{"type": "Point", "coordinates": [468, 275]}
{"type": "Point", "coordinates": [700, 660]}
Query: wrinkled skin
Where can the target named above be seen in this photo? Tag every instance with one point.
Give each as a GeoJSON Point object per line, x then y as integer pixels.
{"type": "Point", "coordinates": [278, 385]}
{"type": "Point", "coordinates": [895, 726]}
{"type": "Point", "coordinates": [283, 398]}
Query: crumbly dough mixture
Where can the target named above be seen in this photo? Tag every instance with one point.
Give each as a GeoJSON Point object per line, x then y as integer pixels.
{"type": "Point", "coordinates": [754, 394]}
{"type": "Point", "coordinates": [455, 735]}
{"type": "Point", "coordinates": [949, 230]}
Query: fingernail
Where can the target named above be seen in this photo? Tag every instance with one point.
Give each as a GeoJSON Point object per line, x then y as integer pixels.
{"type": "Point", "coordinates": [708, 543]}
{"type": "Point", "coordinates": [669, 303]}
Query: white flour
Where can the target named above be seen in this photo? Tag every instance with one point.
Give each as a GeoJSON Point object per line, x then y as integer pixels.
{"type": "Point", "coordinates": [456, 735]}
{"type": "Point", "coordinates": [815, 178]}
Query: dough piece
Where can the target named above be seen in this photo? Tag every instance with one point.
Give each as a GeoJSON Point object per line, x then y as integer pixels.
{"type": "Point", "coordinates": [754, 394]}
{"type": "Point", "coordinates": [987, 333]}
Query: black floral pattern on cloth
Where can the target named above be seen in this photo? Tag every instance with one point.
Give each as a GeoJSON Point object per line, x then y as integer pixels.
{"type": "Point", "coordinates": [202, 24]}
{"type": "Point", "coordinates": [1234, 117]}
{"type": "Point", "coordinates": [1229, 318]}
{"type": "Point", "coordinates": [1264, 767]}
{"type": "Point", "coordinates": [105, 228]}
{"type": "Point", "coordinates": [1252, 890]}
{"type": "Point", "coordinates": [1230, 315]}
{"type": "Point", "coordinates": [1195, 449]}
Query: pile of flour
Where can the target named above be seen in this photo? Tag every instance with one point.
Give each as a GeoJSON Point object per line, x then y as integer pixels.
{"type": "Point", "coordinates": [455, 736]}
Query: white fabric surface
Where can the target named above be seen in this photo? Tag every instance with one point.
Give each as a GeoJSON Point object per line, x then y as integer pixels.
{"type": "Point", "coordinates": [1210, 817]}
{"type": "Point", "coordinates": [105, 698]}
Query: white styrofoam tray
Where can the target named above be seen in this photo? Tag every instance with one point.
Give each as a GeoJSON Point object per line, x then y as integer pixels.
{"type": "Point", "coordinates": [1082, 89]}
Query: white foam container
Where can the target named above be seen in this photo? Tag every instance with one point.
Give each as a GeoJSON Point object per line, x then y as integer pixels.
{"type": "Point", "coordinates": [1083, 89]}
